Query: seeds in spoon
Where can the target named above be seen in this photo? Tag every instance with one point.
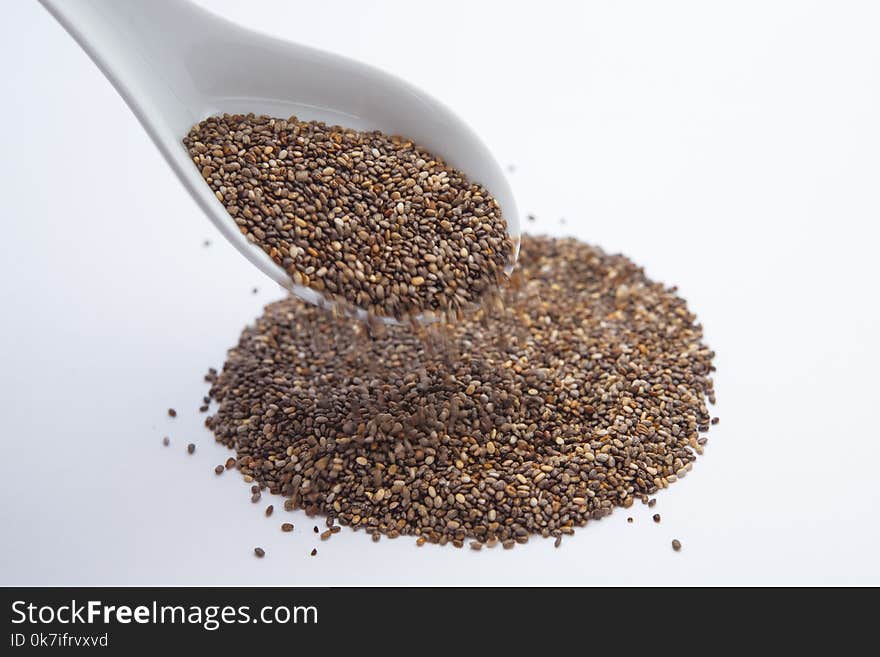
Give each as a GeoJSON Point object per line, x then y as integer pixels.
{"type": "Point", "coordinates": [367, 219]}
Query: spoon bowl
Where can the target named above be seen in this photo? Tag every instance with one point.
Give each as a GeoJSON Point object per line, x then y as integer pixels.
{"type": "Point", "coordinates": [175, 64]}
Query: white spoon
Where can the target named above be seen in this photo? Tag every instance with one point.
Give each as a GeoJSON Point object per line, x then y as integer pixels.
{"type": "Point", "coordinates": [175, 64]}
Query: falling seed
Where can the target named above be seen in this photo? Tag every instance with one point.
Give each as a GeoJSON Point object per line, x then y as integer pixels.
{"type": "Point", "coordinates": [260, 552]}
{"type": "Point", "coordinates": [255, 291]}
{"type": "Point", "coordinates": [287, 527]}
{"type": "Point", "coordinates": [190, 448]}
{"type": "Point", "coordinates": [172, 412]}
{"type": "Point", "coordinates": [676, 545]}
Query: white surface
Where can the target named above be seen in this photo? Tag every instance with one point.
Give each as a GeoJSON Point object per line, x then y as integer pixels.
{"type": "Point", "coordinates": [730, 149]}
{"type": "Point", "coordinates": [175, 64]}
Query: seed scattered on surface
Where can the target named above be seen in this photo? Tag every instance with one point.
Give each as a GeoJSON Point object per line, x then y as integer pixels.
{"type": "Point", "coordinates": [190, 448]}
{"type": "Point", "coordinates": [203, 408]}
{"type": "Point", "coordinates": [314, 551]}
{"type": "Point", "coordinates": [656, 517]}
{"type": "Point", "coordinates": [219, 470]}
{"type": "Point", "coordinates": [629, 519]}
{"type": "Point", "coordinates": [716, 420]}
{"type": "Point", "coordinates": [366, 219]}
{"type": "Point", "coordinates": [586, 387]}
{"type": "Point", "coordinates": [269, 510]}
{"type": "Point", "coordinates": [260, 552]}
{"type": "Point", "coordinates": [676, 545]}
{"type": "Point", "coordinates": [287, 527]}
{"type": "Point", "coordinates": [557, 542]}
{"type": "Point", "coordinates": [256, 497]}
{"type": "Point", "coordinates": [476, 545]}
{"type": "Point", "coordinates": [230, 463]}
{"type": "Point", "coordinates": [326, 534]}
{"type": "Point", "coordinates": [652, 502]}
{"type": "Point", "coordinates": [315, 529]}
{"type": "Point", "coordinates": [166, 441]}
{"type": "Point", "coordinates": [172, 412]}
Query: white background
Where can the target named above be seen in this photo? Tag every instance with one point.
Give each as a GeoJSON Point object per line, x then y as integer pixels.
{"type": "Point", "coordinates": [733, 148]}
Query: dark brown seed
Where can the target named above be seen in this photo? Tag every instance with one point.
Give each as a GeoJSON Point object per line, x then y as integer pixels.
{"type": "Point", "coordinates": [326, 534]}
{"type": "Point", "coordinates": [260, 552]}
{"type": "Point", "coordinates": [230, 463]}
{"type": "Point", "coordinates": [716, 420]}
{"type": "Point", "coordinates": [287, 527]}
{"type": "Point", "coordinates": [315, 529]}
{"type": "Point", "coordinates": [652, 502]}
{"type": "Point", "coordinates": [314, 551]}
{"type": "Point", "coordinates": [191, 448]}
{"type": "Point", "coordinates": [376, 537]}
{"type": "Point", "coordinates": [203, 408]}
{"type": "Point", "coordinates": [172, 412]}
{"type": "Point", "coordinates": [256, 497]}
{"type": "Point", "coordinates": [166, 441]}
{"type": "Point", "coordinates": [269, 510]}
{"type": "Point", "coordinates": [656, 517]}
{"type": "Point", "coordinates": [558, 541]}
{"type": "Point", "coordinates": [526, 420]}
{"type": "Point", "coordinates": [676, 544]}
{"type": "Point", "coordinates": [629, 519]}
{"type": "Point", "coordinates": [219, 470]}
{"type": "Point", "coordinates": [476, 545]}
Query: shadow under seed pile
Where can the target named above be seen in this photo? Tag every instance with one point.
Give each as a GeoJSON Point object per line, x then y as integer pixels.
{"type": "Point", "coordinates": [586, 390]}
{"type": "Point", "coordinates": [364, 218]}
